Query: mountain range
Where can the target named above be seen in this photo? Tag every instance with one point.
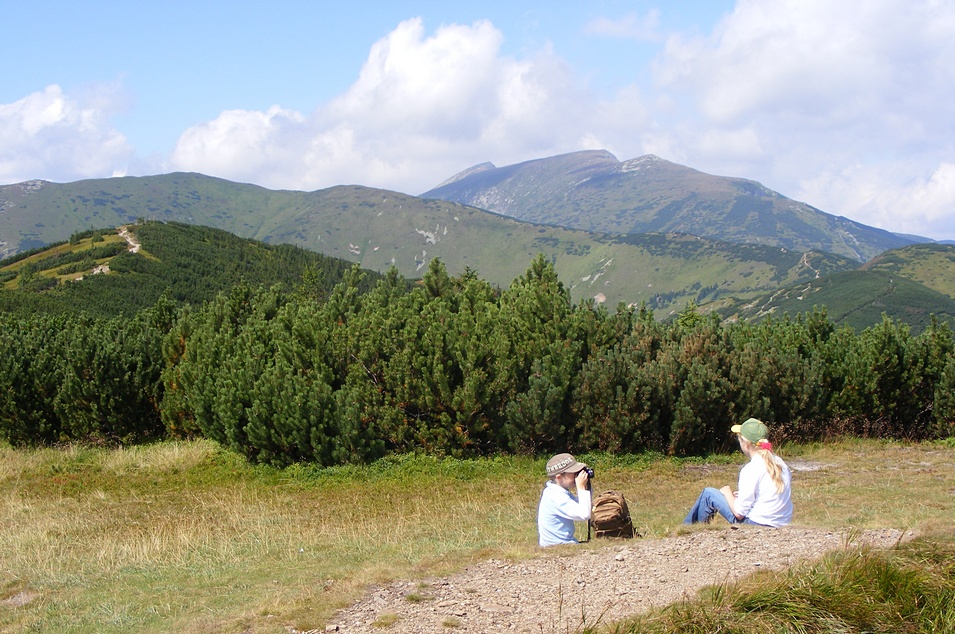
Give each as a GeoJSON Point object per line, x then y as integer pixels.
{"type": "Point", "coordinates": [722, 243]}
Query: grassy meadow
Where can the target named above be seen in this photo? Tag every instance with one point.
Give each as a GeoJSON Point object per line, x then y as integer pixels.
{"type": "Point", "coordinates": [187, 537]}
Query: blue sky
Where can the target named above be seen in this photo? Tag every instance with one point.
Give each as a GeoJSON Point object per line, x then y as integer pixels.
{"type": "Point", "coordinates": [849, 107]}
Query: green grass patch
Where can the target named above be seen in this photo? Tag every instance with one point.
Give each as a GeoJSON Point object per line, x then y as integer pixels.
{"type": "Point", "coordinates": [64, 261]}
{"type": "Point", "coordinates": [187, 537]}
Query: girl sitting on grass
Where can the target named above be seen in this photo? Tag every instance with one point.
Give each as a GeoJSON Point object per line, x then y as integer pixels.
{"type": "Point", "coordinates": [763, 494]}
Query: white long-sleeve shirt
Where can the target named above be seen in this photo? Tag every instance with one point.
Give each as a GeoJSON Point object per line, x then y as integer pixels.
{"type": "Point", "coordinates": [757, 499]}
{"type": "Point", "coordinates": [557, 512]}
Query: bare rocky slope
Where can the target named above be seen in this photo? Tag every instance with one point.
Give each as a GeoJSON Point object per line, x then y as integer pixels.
{"type": "Point", "coordinates": [568, 588]}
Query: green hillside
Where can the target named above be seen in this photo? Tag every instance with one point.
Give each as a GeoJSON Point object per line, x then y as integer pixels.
{"type": "Point", "coordinates": [930, 264]}
{"type": "Point", "coordinates": [378, 229]}
{"type": "Point", "coordinates": [856, 298]}
{"type": "Point", "coordinates": [190, 264]}
{"type": "Point", "coordinates": [910, 284]}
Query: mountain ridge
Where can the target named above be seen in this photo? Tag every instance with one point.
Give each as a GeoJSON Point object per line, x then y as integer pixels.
{"type": "Point", "coordinates": [593, 191]}
{"type": "Point", "coordinates": [858, 298]}
{"type": "Point", "coordinates": [379, 228]}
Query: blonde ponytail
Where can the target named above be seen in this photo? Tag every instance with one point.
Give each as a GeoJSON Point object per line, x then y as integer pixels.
{"type": "Point", "coordinates": [764, 450]}
{"type": "Point", "coordinates": [772, 468]}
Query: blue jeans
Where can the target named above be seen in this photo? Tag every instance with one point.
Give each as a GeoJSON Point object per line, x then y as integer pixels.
{"type": "Point", "coordinates": [711, 502]}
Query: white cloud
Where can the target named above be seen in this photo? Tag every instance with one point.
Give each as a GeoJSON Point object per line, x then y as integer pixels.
{"type": "Point", "coordinates": [887, 197]}
{"type": "Point", "coordinates": [785, 56]}
{"type": "Point", "coordinates": [432, 85]}
{"type": "Point", "coordinates": [242, 145]}
{"type": "Point", "coordinates": [850, 107]}
{"type": "Point", "coordinates": [423, 108]}
{"type": "Point", "coordinates": [742, 143]}
{"type": "Point", "coordinates": [51, 135]}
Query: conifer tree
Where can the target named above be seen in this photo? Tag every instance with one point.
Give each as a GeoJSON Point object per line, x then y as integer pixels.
{"type": "Point", "coordinates": [536, 360]}
{"type": "Point", "coordinates": [927, 357]}
{"type": "Point", "coordinates": [30, 375]}
{"type": "Point", "coordinates": [704, 409]}
{"type": "Point", "coordinates": [769, 374]}
{"type": "Point", "coordinates": [877, 381]}
{"type": "Point", "coordinates": [111, 380]}
{"type": "Point", "coordinates": [943, 413]}
{"type": "Point", "coordinates": [619, 398]}
{"type": "Point", "coordinates": [292, 416]}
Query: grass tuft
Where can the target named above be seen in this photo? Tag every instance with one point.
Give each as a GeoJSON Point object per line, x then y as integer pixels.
{"type": "Point", "coordinates": [907, 589]}
{"type": "Point", "coordinates": [386, 620]}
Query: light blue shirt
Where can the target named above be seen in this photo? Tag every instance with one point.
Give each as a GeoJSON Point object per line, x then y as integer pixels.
{"type": "Point", "coordinates": [557, 512]}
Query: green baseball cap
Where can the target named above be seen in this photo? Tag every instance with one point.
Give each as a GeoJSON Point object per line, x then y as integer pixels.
{"type": "Point", "coordinates": [752, 430]}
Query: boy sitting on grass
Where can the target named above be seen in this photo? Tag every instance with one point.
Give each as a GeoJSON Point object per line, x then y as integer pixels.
{"type": "Point", "coordinates": [559, 508]}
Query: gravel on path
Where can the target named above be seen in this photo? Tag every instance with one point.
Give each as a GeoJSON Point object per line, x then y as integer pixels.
{"type": "Point", "coordinates": [562, 592]}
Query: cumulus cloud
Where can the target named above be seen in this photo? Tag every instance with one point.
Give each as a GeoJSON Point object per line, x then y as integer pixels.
{"type": "Point", "coordinates": [887, 196]}
{"type": "Point", "coordinates": [848, 107]}
{"type": "Point", "coordinates": [422, 108]}
{"type": "Point", "coordinates": [247, 146]}
{"type": "Point", "coordinates": [57, 137]}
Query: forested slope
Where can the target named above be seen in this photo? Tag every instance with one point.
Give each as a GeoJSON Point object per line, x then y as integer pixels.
{"type": "Point", "coordinates": [188, 263]}
{"type": "Point", "coordinates": [454, 366]}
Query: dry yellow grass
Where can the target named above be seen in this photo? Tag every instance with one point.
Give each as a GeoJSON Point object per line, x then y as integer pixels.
{"type": "Point", "coordinates": [184, 537]}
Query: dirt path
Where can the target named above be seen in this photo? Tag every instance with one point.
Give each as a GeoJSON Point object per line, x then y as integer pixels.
{"type": "Point", "coordinates": [134, 245]}
{"type": "Point", "coordinates": [563, 590]}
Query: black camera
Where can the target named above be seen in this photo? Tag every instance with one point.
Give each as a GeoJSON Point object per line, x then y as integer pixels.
{"type": "Point", "coordinates": [588, 471]}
